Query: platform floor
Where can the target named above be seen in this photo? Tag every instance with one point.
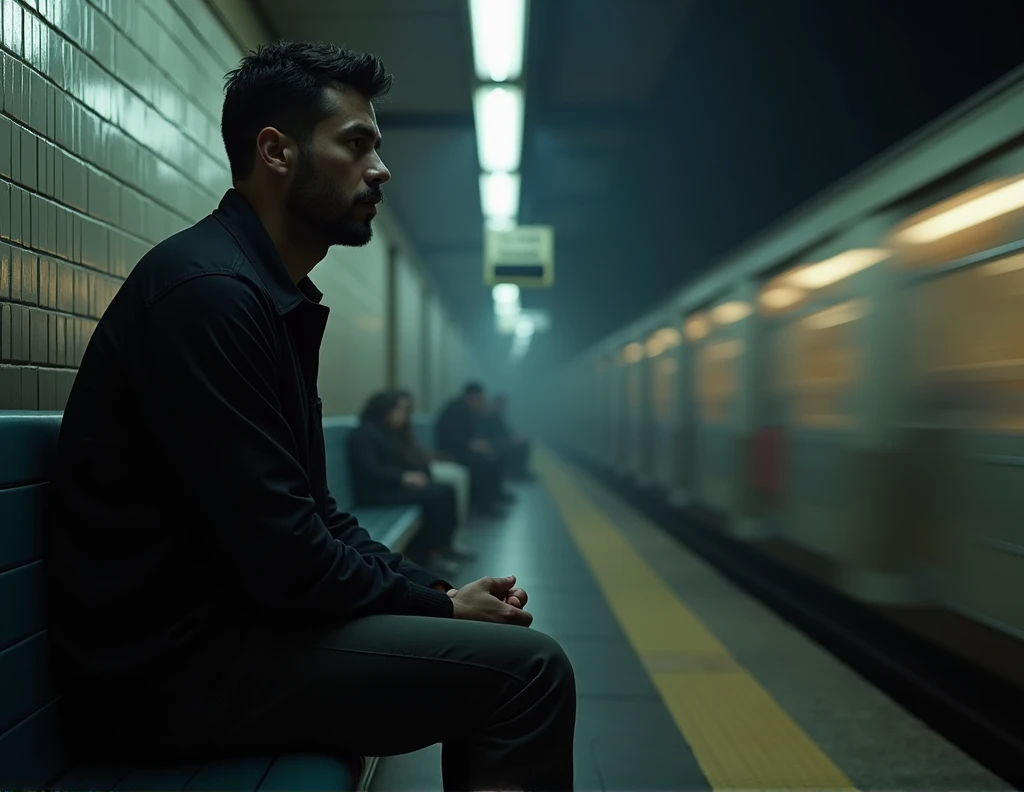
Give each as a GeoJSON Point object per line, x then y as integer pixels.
{"type": "Point", "coordinates": [684, 681]}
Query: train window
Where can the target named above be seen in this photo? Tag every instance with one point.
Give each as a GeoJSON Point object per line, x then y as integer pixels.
{"type": "Point", "coordinates": [663, 370]}
{"type": "Point", "coordinates": [663, 377]}
{"type": "Point", "coordinates": [818, 280]}
{"type": "Point", "coordinates": [970, 335]}
{"type": "Point", "coordinates": [977, 219]}
{"type": "Point", "coordinates": [718, 379]}
{"type": "Point", "coordinates": [827, 362]}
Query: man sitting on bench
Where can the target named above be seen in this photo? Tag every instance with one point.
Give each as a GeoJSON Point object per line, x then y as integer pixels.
{"type": "Point", "coordinates": [208, 597]}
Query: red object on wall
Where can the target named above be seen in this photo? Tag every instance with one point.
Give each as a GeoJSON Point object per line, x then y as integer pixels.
{"type": "Point", "coordinates": [769, 460]}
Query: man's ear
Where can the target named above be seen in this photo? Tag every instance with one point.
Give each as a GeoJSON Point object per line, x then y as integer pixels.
{"type": "Point", "coordinates": [276, 151]}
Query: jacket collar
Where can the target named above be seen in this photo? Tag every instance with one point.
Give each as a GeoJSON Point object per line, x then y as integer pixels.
{"type": "Point", "coordinates": [236, 214]}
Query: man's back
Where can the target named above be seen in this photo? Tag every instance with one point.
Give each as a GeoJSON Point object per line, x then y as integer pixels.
{"type": "Point", "coordinates": [191, 472]}
{"type": "Point", "coordinates": [131, 583]}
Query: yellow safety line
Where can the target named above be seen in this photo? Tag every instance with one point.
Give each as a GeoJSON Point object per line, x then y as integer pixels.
{"type": "Point", "coordinates": [741, 737]}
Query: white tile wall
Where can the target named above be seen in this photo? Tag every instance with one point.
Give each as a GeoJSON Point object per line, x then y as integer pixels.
{"type": "Point", "coordinates": [110, 142]}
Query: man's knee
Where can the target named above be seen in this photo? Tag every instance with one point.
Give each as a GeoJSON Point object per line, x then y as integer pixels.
{"type": "Point", "coordinates": [544, 660]}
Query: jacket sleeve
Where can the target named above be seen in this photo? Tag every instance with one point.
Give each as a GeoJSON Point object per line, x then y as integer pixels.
{"type": "Point", "coordinates": [208, 385]}
{"type": "Point", "coordinates": [346, 528]}
{"type": "Point", "coordinates": [365, 457]}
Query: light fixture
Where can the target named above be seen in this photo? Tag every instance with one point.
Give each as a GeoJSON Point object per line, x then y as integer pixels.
{"type": "Point", "coordinates": [632, 353]}
{"type": "Point", "coordinates": [511, 310]}
{"type": "Point", "coordinates": [498, 111]}
{"type": "Point", "coordinates": [697, 327]}
{"type": "Point", "coordinates": [653, 346]}
{"type": "Point", "coordinates": [670, 337]}
{"type": "Point", "coordinates": [499, 32]}
{"type": "Point", "coordinates": [499, 195]}
{"type": "Point", "coordinates": [662, 340]}
{"type": "Point", "coordinates": [524, 328]}
{"type": "Point", "coordinates": [730, 312]}
{"type": "Point", "coordinates": [495, 223]}
{"type": "Point", "coordinates": [832, 270]}
{"type": "Point", "coordinates": [505, 293]}
{"type": "Point", "coordinates": [989, 206]}
{"type": "Point", "coordinates": [781, 297]}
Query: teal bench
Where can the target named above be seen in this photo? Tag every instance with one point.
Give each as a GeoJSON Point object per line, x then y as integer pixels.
{"type": "Point", "coordinates": [33, 752]}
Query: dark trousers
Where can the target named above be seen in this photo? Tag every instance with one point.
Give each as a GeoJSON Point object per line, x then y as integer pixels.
{"type": "Point", "coordinates": [500, 699]}
{"type": "Point", "coordinates": [440, 515]}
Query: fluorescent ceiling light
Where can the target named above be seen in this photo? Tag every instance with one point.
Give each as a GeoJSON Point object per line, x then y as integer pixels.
{"type": "Point", "coordinates": [1003, 200]}
{"type": "Point", "coordinates": [524, 329]}
{"type": "Point", "coordinates": [505, 324]}
{"type": "Point", "coordinates": [505, 293]}
{"type": "Point", "coordinates": [499, 38]}
{"type": "Point", "coordinates": [498, 111]}
{"type": "Point", "coordinates": [835, 269]}
{"type": "Point", "coordinates": [500, 223]}
{"type": "Point", "coordinates": [511, 310]}
{"type": "Point", "coordinates": [499, 195]}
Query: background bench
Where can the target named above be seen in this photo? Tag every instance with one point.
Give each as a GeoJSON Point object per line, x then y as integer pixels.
{"type": "Point", "coordinates": [33, 753]}
{"type": "Point", "coordinates": [393, 526]}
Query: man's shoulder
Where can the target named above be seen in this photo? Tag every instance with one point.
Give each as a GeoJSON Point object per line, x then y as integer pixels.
{"type": "Point", "coordinates": [202, 261]}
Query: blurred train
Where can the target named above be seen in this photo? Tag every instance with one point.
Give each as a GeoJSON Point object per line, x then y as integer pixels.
{"type": "Point", "coordinates": [847, 390]}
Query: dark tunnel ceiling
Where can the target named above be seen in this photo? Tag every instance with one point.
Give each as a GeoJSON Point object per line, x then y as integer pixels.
{"type": "Point", "coordinates": [660, 134]}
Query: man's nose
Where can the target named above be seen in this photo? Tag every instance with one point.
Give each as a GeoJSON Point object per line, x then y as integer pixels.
{"type": "Point", "coordinates": [377, 173]}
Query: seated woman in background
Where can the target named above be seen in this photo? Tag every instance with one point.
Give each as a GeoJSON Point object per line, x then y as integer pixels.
{"type": "Point", "coordinates": [383, 475]}
{"type": "Point", "coordinates": [442, 469]}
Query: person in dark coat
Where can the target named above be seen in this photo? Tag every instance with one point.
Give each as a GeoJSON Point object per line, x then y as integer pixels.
{"type": "Point", "coordinates": [461, 435]}
{"type": "Point", "coordinates": [207, 596]}
{"type": "Point", "coordinates": [385, 473]}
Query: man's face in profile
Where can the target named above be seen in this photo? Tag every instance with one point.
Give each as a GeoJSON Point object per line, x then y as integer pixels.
{"type": "Point", "coordinates": [339, 178]}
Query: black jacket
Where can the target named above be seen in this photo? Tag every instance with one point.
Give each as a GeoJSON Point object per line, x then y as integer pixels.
{"type": "Point", "coordinates": [377, 462]}
{"type": "Point", "coordinates": [457, 427]}
{"type": "Point", "coordinates": [191, 471]}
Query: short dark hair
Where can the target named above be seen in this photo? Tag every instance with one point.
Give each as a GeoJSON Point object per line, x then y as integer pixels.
{"type": "Point", "coordinates": [283, 85]}
{"type": "Point", "coordinates": [473, 389]}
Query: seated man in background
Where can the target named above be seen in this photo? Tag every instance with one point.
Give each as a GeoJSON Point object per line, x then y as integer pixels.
{"type": "Point", "coordinates": [511, 446]}
{"type": "Point", "coordinates": [461, 435]}
{"type": "Point", "coordinates": [207, 596]}
{"type": "Point", "coordinates": [385, 473]}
